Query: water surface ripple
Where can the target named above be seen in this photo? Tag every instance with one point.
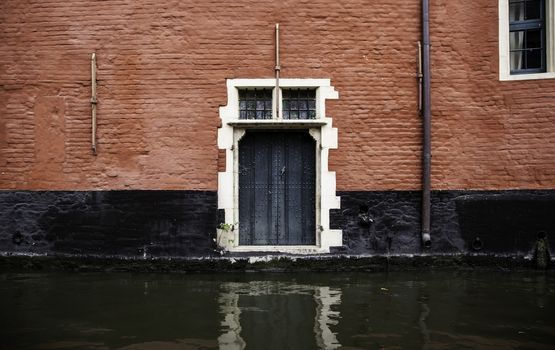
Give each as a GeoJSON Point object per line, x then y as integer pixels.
{"type": "Point", "coordinates": [417, 310]}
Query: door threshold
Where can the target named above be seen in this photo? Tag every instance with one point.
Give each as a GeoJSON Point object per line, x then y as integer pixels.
{"type": "Point", "coordinates": [289, 249]}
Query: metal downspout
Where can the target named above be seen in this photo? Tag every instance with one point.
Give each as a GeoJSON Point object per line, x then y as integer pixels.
{"type": "Point", "coordinates": [277, 70]}
{"type": "Point", "coordinates": [426, 128]}
{"type": "Point", "coordinates": [94, 102]}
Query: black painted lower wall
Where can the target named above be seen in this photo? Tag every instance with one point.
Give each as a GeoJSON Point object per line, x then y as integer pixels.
{"type": "Point", "coordinates": [183, 223]}
{"type": "Point", "coordinates": [492, 222]}
{"type": "Point", "coordinates": [128, 223]}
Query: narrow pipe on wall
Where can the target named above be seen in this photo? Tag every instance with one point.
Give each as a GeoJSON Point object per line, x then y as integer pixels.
{"type": "Point", "coordinates": [426, 127]}
{"type": "Point", "coordinates": [93, 103]}
{"type": "Point", "coordinates": [419, 76]}
{"type": "Point", "coordinates": [277, 69]}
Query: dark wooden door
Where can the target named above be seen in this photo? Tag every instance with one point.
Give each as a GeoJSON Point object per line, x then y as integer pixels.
{"type": "Point", "coordinates": [277, 182]}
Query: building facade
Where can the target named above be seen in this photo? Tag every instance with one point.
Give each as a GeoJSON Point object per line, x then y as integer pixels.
{"type": "Point", "coordinates": [194, 133]}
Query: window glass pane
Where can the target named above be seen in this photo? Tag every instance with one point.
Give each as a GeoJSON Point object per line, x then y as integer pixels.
{"type": "Point", "coordinates": [534, 59]}
{"type": "Point", "coordinates": [517, 60]}
{"type": "Point", "coordinates": [516, 11]}
{"type": "Point", "coordinates": [533, 39]}
{"type": "Point", "coordinates": [533, 9]}
{"type": "Point", "coordinates": [298, 102]}
{"type": "Point", "coordinates": [255, 103]}
{"type": "Point", "coordinates": [527, 36]}
{"type": "Point", "coordinates": [516, 40]}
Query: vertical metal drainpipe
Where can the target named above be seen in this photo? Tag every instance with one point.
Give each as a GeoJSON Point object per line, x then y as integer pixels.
{"type": "Point", "coordinates": [426, 128]}
{"type": "Point", "coordinates": [277, 69]}
{"type": "Point", "coordinates": [94, 102]}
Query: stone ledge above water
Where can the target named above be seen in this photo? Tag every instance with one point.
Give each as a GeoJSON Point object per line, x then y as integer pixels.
{"type": "Point", "coordinates": [268, 263]}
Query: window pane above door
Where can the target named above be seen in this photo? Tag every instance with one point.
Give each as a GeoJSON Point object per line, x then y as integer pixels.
{"type": "Point", "coordinates": [255, 103]}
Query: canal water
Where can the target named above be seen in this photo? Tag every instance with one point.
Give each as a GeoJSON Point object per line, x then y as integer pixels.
{"type": "Point", "coordinates": [416, 310]}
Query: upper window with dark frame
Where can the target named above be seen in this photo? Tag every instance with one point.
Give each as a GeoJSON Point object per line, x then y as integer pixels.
{"type": "Point", "coordinates": [527, 36]}
{"type": "Point", "coordinates": [255, 103]}
{"type": "Point", "coordinates": [299, 103]}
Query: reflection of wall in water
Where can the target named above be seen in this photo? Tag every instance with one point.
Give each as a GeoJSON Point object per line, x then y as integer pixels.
{"type": "Point", "coordinates": [260, 305]}
{"type": "Point", "coordinates": [230, 339]}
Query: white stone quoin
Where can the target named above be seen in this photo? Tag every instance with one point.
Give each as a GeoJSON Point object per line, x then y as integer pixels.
{"type": "Point", "coordinates": [321, 129]}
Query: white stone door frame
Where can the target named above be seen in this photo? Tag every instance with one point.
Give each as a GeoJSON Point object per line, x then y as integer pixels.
{"type": "Point", "coordinates": [320, 128]}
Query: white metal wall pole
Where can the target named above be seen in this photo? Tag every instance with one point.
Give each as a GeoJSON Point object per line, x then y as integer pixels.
{"type": "Point", "coordinates": [93, 102]}
{"type": "Point", "coordinates": [277, 68]}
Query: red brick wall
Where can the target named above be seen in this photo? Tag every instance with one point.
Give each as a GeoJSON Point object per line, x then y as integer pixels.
{"type": "Point", "coordinates": [487, 134]}
{"type": "Point", "coordinates": [161, 73]}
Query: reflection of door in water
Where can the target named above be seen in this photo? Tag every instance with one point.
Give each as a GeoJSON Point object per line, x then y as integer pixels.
{"type": "Point", "coordinates": [277, 181]}
{"type": "Point", "coordinates": [277, 321]}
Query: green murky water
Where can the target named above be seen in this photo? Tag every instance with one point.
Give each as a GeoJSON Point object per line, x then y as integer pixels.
{"type": "Point", "coordinates": [424, 310]}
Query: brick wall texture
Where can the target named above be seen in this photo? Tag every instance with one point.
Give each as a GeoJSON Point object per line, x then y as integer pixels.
{"type": "Point", "coordinates": [162, 67]}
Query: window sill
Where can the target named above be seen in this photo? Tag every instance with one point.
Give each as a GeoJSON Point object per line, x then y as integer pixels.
{"type": "Point", "coordinates": [276, 123]}
{"type": "Point", "coordinates": [531, 76]}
